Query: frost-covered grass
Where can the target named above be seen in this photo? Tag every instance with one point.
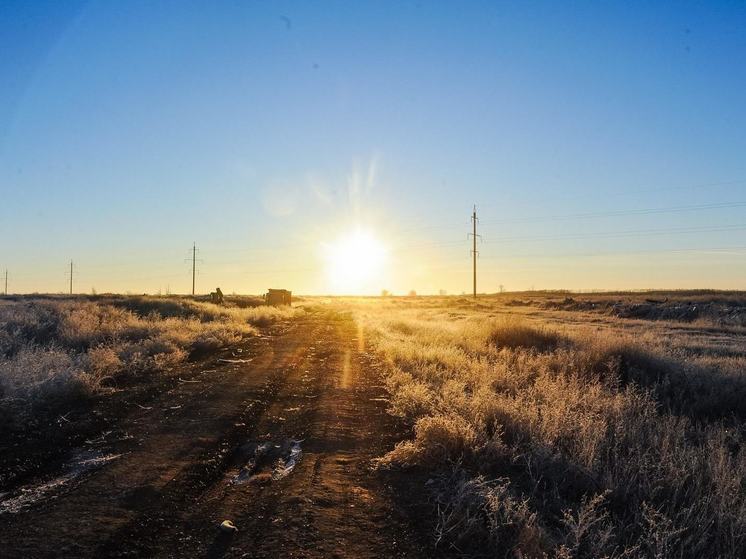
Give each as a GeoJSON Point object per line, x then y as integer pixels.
{"type": "Point", "coordinates": [548, 441]}
{"type": "Point", "coordinates": [56, 350]}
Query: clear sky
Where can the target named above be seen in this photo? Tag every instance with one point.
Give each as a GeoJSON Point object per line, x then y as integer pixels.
{"type": "Point", "coordinates": [603, 143]}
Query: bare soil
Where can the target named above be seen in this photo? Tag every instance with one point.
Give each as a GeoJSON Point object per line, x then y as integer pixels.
{"type": "Point", "coordinates": [203, 445]}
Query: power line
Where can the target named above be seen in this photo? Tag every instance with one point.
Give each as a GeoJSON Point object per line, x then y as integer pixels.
{"type": "Point", "coordinates": [622, 253]}
{"type": "Point", "coordinates": [602, 234]}
{"type": "Point", "coordinates": [527, 218]}
{"type": "Point", "coordinates": [261, 272]}
{"type": "Point", "coordinates": [616, 213]}
{"type": "Point", "coordinates": [627, 233]}
{"type": "Point", "coordinates": [588, 215]}
{"type": "Point", "coordinates": [625, 192]}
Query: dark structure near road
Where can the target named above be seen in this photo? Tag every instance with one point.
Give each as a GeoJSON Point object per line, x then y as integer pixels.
{"type": "Point", "coordinates": [217, 296]}
{"type": "Point", "coordinates": [277, 297]}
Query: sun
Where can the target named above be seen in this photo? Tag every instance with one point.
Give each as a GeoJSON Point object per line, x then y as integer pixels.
{"type": "Point", "coordinates": [355, 263]}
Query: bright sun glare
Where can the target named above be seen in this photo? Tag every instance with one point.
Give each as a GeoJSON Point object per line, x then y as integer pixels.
{"type": "Point", "coordinates": [355, 263]}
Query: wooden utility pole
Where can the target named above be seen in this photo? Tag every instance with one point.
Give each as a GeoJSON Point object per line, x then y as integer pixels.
{"type": "Point", "coordinates": [474, 249]}
{"type": "Point", "coordinates": [192, 259]}
{"type": "Point", "coordinates": [6, 281]}
{"type": "Point", "coordinates": [71, 277]}
{"type": "Point", "coordinates": [194, 266]}
{"type": "Point", "coordinates": [474, 252]}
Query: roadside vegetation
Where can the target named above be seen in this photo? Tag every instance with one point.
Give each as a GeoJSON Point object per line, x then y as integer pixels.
{"type": "Point", "coordinates": [542, 438]}
{"type": "Point", "coordinates": [56, 352]}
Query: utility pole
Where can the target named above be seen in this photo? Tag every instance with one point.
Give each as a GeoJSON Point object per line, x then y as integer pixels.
{"type": "Point", "coordinates": [6, 281]}
{"type": "Point", "coordinates": [474, 248]}
{"type": "Point", "coordinates": [474, 252]}
{"type": "Point", "coordinates": [193, 261]}
{"type": "Point", "coordinates": [194, 266]}
{"type": "Point", "coordinates": [71, 277]}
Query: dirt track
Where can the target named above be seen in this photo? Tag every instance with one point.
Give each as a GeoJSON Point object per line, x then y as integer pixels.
{"type": "Point", "coordinates": [181, 452]}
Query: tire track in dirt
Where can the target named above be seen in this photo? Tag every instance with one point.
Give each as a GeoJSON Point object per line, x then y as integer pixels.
{"type": "Point", "coordinates": [175, 443]}
{"type": "Point", "coordinates": [167, 494]}
{"type": "Point", "coordinates": [332, 505]}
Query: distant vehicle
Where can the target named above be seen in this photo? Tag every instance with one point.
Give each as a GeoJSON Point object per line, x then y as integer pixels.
{"type": "Point", "coordinates": [278, 297]}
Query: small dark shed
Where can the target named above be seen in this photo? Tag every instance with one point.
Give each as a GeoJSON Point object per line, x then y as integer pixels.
{"type": "Point", "coordinates": [277, 297]}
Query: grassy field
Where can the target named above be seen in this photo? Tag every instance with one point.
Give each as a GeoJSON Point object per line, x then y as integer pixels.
{"type": "Point", "coordinates": [58, 352]}
{"type": "Point", "coordinates": [554, 425]}
{"type": "Point", "coordinates": [534, 424]}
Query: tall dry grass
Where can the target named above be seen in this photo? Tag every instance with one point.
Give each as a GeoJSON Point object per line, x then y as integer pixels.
{"type": "Point", "coordinates": [549, 443]}
{"type": "Point", "coordinates": [56, 350]}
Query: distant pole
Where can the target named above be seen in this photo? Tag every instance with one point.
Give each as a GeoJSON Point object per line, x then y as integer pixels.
{"type": "Point", "coordinates": [71, 277]}
{"type": "Point", "coordinates": [6, 281]}
{"type": "Point", "coordinates": [194, 266]}
{"type": "Point", "coordinates": [474, 249]}
{"type": "Point", "coordinates": [193, 260]}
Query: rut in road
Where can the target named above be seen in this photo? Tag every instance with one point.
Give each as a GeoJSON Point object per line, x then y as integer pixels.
{"type": "Point", "coordinates": [167, 494]}
{"type": "Point", "coordinates": [330, 505]}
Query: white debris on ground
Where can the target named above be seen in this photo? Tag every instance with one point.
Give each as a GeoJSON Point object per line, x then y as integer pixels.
{"type": "Point", "coordinates": [267, 461]}
{"type": "Point", "coordinates": [285, 467]}
{"type": "Point", "coordinates": [82, 462]}
{"type": "Point", "coordinates": [247, 471]}
{"type": "Point", "coordinates": [228, 526]}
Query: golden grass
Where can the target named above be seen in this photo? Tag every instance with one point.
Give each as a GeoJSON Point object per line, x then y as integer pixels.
{"type": "Point", "coordinates": [53, 350]}
{"type": "Point", "coordinates": [555, 441]}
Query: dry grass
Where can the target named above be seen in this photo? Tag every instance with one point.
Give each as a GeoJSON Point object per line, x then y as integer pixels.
{"type": "Point", "coordinates": [54, 351]}
{"type": "Point", "coordinates": [552, 441]}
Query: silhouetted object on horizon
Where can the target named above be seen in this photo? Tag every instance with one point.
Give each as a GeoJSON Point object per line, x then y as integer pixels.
{"type": "Point", "coordinates": [277, 297]}
{"type": "Point", "coordinates": [474, 251]}
{"type": "Point", "coordinates": [194, 267]}
{"type": "Point", "coordinates": [217, 296]}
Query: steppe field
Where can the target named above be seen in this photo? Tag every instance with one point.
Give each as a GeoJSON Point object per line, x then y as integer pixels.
{"type": "Point", "coordinates": [533, 424]}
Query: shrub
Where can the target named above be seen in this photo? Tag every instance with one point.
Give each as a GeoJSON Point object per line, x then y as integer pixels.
{"type": "Point", "coordinates": [438, 440]}
{"type": "Point", "coordinates": [512, 334]}
{"type": "Point", "coordinates": [476, 515]}
{"type": "Point", "coordinates": [42, 377]}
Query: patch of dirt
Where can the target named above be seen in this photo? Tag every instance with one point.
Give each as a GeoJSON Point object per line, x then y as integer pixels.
{"type": "Point", "coordinates": [277, 438]}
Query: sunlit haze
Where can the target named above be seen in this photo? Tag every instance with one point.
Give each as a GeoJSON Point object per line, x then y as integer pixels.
{"type": "Point", "coordinates": [373, 278]}
{"type": "Point", "coordinates": [340, 148]}
{"type": "Point", "coordinates": [356, 263]}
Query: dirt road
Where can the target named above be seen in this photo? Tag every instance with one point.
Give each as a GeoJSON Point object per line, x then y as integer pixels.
{"type": "Point", "coordinates": [276, 436]}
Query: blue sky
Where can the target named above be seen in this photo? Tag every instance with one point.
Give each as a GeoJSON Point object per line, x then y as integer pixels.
{"type": "Point", "coordinates": [265, 130]}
